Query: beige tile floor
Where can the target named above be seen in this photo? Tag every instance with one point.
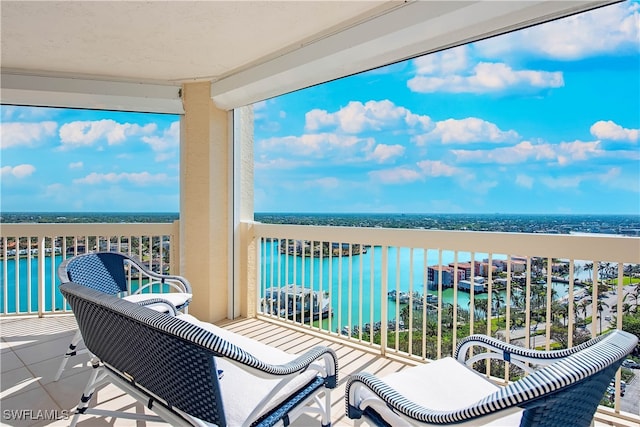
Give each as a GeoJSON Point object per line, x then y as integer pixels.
{"type": "Point", "coordinates": [31, 353]}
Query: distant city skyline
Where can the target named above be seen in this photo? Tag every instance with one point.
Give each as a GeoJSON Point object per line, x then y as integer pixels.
{"type": "Point", "coordinates": [545, 120]}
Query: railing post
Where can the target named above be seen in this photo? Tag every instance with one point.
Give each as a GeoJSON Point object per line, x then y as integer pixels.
{"type": "Point", "coordinates": [174, 248]}
{"type": "Point", "coordinates": [41, 276]}
{"type": "Point", "coordinates": [384, 288]}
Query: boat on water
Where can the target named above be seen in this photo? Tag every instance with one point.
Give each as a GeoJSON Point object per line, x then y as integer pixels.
{"type": "Point", "coordinates": [401, 297]}
{"type": "Point", "coordinates": [405, 297]}
{"type": "Point", "coordinates": [296, 303]}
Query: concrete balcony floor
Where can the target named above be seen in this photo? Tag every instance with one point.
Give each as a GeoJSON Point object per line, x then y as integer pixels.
{"type": "Point", "coordinates": [32, 348]}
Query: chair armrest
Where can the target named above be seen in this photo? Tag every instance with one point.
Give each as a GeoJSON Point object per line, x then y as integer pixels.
{"type": "Point", "coordinates": [153, 302]}
{"type": "Point", "coordinates": [514, 354]}
{"type": "Point", "coordinates": [388, 397]}
{"type": "Point", "coordinates": [179, 283]}
{"type": "Point", "coordinates": [325, 355]}
{"type": "Point", "coordinates": [369, 396]}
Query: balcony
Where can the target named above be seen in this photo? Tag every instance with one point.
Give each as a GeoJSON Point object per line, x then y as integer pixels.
{"type": "Point", "coordinates": [368, 278]}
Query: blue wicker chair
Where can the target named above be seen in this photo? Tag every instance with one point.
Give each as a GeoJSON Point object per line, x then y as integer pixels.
{"type": "Point", "coordinates": [563, 390]}
{"type": "Point", "coordinates": [114, 273]}
{"type": "Point", "coordinates": [193, 373]}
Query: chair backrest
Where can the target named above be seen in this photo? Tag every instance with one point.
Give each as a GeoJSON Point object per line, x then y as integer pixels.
{"type": "Point", "coordinates": [568, 391]}
{"type": "Point", "coordinates": [154, 351]}
{"type": "Point", "coordinates": [103, 271]}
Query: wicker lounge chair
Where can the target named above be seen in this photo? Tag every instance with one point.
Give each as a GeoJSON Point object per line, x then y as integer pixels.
{"type": "Point", "coordinates": [193, 373]}
{"type": "Point", "coordinates": [113, 273]}
{"type": "Point", "coordinates": [564, 390]}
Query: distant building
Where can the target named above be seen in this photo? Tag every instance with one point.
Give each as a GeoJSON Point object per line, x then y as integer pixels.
{"type": "Point", "coordinates": [478, 286]}
{"type": "Point", "coordinates": [518, 265]}
{"type": "Point", "coordinates": [447, 276]}
{"type": "Point", "coordinates": [463, 266]}
{"type": "Point", "coordinates": [484, 268]}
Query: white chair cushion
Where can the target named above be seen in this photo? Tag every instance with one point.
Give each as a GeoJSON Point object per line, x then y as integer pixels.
{"type": "Point", "coordinates": [242, 391]}
{"type": "Point", "coordinates": [444, 385]}
{"type": "Point", "coordinates": [176, 298]}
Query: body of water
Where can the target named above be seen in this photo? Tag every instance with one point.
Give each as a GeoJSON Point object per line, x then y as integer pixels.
{"type": "Point", "coordinates": [359, 279]}
{"type": "Point", "coordinates": [23, 296]}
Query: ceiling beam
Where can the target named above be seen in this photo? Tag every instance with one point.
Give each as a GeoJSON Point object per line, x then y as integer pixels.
{"type": "Point", "coordinates": [40, 91]}
{"type": "Point", "coordinates": [416, 28]}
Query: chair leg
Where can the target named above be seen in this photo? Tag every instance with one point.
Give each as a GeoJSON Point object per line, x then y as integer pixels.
{"type": "Point", "coordinates": [326, 414]}
{"type": "Point", "coordinates": [70, 352]}
{"type": "Point", "coordinates": [97, 376]}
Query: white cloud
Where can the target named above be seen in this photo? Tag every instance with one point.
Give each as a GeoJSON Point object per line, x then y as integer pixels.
{"type": "Point", "coordinates": [20, 171]}
{"type": "Point", "coordinates": [264, 163]}
{"type": "Point", "coordinates": [85, 133]}
{"type": "Point", "coordinates": [76, 165]}
{"type": "Point", "coordinates": [138, 179]}
{"type": "Point", "coordinates": [478, 186]}
{"type": "Point", "coordinates": [615, 178]}
{"type": "Point", "coordinates": [384, 153]}
{"type": "Point", "coordinates": [436, 168]}
{"type": "Point", "coordinates": [562, 182]}
{"type": "Point", "coordinates": [341, 148]}
{"type": "Point", "coordinates": [466, 130]}
{"type": "Point", "coordinates": [486, 77]}
{"type": "Point", "coordinates": [318, 119]}
{"type": "Point", "coordinates": [446, 62]}
{"type": "Point", "coordinates": [524, 181]}
{"type": "Point", "coordinates": [399, 175]}
{"type": "Point", "coordinates": [563, 153]}
{"type": "Point", "coordinates": [328, 183]}
{"type": "Point", "coordinates": [357, 117]}
{"type": "Point", "coordinates": [579, 150]}
{"type": "Point", "coordinates": [609, 130]}
{"type": "Point", "coordinates": [425, 169]}
{"type": "Point", "coordinates": [20, 134]}
{"type": "Point", "coordinates": [413, 120]}
{"type": "Point", "coordinates": [166, 145]}
{"type": "Point", "coordinates": [11, 113]}
{"type": "Point", "coordinates": [609, 29]}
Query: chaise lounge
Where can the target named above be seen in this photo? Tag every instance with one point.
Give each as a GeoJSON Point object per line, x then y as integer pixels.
{"type": "Point", "coordinates": [564, 389]}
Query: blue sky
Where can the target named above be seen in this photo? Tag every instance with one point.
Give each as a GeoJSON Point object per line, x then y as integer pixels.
{"type": "Point", "coordinates": [544, 120]}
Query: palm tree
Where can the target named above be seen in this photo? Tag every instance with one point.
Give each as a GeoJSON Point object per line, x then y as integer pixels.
{"type": "Point", "coordinates": [537, 265]}
{"type": "Point", "coordinates": [498, 301]}
{"type": "Point", "coordinates": [576, 270]}
{"type": "Point", "coordinates": [449, 309]}
{"type": "Point", "coordinates": [479, 307]}
{"type": "Point", "coordinates": [600, 307]}
{"type": "Point", "coordinates": [627, 308]}
{"type": "Point", "coordinates": [559, 310]}
{"type": "Point", "coordinates": [404, 314]}
{"type": "Point", "coordinates": [582, 306]}
{"type": "Point", "coordinates": [576, 309]}
{"type": "Point", "coordinates": [588, 267]}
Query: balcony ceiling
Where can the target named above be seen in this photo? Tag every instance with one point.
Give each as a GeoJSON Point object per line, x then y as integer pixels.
{"type": "Point", "coordinates": [135, 55]}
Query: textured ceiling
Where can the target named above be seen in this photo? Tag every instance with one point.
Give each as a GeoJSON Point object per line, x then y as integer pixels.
{"type": "Point", "coordinates": [135, 55]}
{"type": "Point", "coordinates": [166, 41]}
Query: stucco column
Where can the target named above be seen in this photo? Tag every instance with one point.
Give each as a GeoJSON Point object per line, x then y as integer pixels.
{"type": "Point", "coordinates": [246, 262]}
{"type": "Point", "coordinates": [205, 196]}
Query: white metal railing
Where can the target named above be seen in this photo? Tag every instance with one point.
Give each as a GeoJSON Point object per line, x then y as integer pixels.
{"type": "Point", "coordinates": [357, 271]}
{"type": "Point", "coordinates": [31, 253]}
{"type": "Point", "coordinates": [537, 288]}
